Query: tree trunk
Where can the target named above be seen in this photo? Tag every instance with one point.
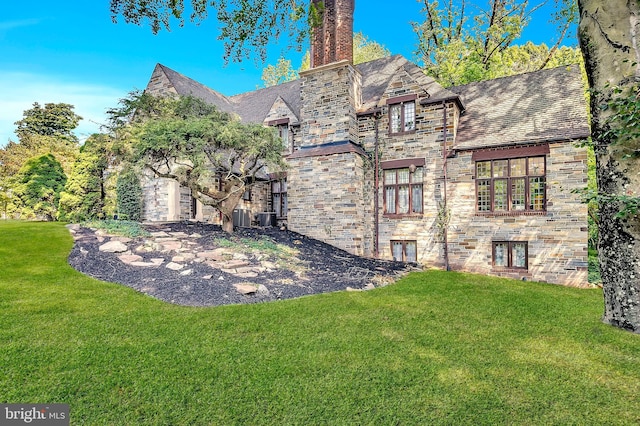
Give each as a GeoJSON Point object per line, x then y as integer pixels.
{"type": "Point", "coordinates": [608, 35]}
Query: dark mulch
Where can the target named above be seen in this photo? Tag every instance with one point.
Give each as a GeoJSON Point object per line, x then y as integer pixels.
{"type": "Point", "coordinates": [328, 269]}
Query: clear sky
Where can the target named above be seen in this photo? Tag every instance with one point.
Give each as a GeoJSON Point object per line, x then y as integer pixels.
{"type": "Point", "coordinates": [70, 51]}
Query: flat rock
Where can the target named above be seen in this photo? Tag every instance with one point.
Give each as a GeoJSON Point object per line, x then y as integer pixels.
{"type": "Point", "coordinates": [174, 266]}
{"type": "Point", "coordinates": [114, 247]}
{"type": "Point", "coordinates": [129, 258]}
{"type": "Point", "coordinates": [246, 289]}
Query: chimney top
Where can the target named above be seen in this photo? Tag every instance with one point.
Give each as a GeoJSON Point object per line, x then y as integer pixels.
{"type": "Point", "coordinates": [332, 37]}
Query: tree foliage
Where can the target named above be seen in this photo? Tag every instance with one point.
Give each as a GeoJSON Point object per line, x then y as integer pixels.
{"type": "Point", "coordinates": [84, 195]}
{"type": "Point", "coordinates": [38, 187]}
{"type": "Point", "coordinates": [56, 120]}
{"type": "Point", "coordinates": [459, 43]}
{"type": "Point", "coordinates": [206, 150]}
{"type": "Point", "coordinates": [364, 50]}
{"type": "Point", "coordinates": [247, 27]}
{"type": "Point", "coordinates": [129, 195]}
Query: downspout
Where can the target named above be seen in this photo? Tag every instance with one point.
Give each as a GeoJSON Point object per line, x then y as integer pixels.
{"type": "Point", "coordinates": [376, 201]}
{"type": "Point", "coordinates": [445, 228]}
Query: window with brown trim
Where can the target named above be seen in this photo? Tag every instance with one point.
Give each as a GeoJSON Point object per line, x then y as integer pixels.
{"type": "Point", "coordinates": [404, 251]}
{"type": "Point", "coordinates": [403, 191]}
{"type": "Point", "coordinates": [279, 197]}
{"type": "Point", "coordinates": [510, 254]}
{"type": "Point", "coordinates": [402, 117]}
{"type": "Point", "coordinates": [511, 185]}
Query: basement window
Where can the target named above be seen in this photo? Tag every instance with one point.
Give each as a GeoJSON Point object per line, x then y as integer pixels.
{"type": "Point", "coordinates": [404, 251]}
{"type": "Point", "coordinates": [510, 254]}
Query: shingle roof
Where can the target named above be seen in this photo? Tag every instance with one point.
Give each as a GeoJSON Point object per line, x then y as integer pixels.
{"type": "Point", "coordinates": [540, 106]}
{"type": "Point", "coordinates": [188, 87]}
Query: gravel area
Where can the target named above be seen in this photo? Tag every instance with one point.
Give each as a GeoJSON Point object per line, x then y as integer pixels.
{"type": "Point", "coordinates": [291, 266]}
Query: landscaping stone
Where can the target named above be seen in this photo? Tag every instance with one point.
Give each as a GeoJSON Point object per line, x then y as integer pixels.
{"type": "Point", "coordinates": [174, 266]}
{"type": "Point", "coordinates": [114, 247]}
{"type": "Point", "coordinates": [130, 258]}
{"type": "Point", "coordinates": [186, 272]}
{"type": "Point", "coordinates": [246, 288]}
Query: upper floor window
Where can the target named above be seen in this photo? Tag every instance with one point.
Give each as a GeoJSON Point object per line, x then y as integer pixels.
{"type": "Point", "coordinates": [282, 124]}
{"type": "Point", "coordinates": [511, 185]}
{"type": "Point", "coordinates": [283, 132]}
{"type": "Point", "coordinates": [402, 114]}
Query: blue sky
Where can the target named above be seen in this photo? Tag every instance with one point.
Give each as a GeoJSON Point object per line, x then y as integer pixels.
{"type": "Point", "coordinates": [70, 51]}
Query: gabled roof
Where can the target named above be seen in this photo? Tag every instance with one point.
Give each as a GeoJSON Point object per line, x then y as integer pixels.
{"type": "Point", "coordinates": [253, 107]}
{"type": "Point", "coordinates": [188, 87]}
{"type": "Point", "coordinates": [542, 106]}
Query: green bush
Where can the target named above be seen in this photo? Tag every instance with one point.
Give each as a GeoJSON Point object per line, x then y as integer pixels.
{"type": "Point", "coordinates": [129, 196]}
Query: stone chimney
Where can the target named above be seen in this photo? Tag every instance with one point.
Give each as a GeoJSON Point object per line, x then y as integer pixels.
{"type": "Point", "coordinates": [332, 38]}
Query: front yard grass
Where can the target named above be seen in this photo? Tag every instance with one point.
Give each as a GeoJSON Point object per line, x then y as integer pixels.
{"type": "Point", "coordinates": [435, 348]}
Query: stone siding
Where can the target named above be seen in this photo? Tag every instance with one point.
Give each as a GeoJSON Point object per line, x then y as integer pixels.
{"type": "Point", "coordinates": [330, 96]}
{"type": "Point", "coordinates": [326, 199]}
{"type": "Point", "coordinates": [557, 239]}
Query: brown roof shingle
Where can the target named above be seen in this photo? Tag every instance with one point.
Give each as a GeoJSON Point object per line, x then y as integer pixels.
{"type": "Point", "coordinates": [547, 105]}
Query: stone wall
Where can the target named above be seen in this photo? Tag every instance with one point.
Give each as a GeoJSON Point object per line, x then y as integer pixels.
{"type": "Point", "coordinates": [330, 96]}
{"type": "Point", "coordinates": [557, 239]}
{"type": "Point", "coordinates": [326, 199]}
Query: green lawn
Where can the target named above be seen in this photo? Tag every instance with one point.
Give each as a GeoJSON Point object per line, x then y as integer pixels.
{"type": "Point", "coordinates": [435, 348]}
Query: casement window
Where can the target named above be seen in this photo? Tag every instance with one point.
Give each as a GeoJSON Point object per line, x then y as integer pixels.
{"type": "Point", "coordinates": [279, 197]}
{"type": "Point", "coordinates": [403, 191]}
{"type": "Point", "coordinates": [511, 185]}
{"type": "Point", "coordinates": [510, 254]}
{"type": "Point", "coordinates": [283, 132]}
{"type": "Point", "coordinates": [402, 114]}
{"type": "Point", "coordinates": [282, 125]}
{"type": "Point", "coordinates": [404, 251]}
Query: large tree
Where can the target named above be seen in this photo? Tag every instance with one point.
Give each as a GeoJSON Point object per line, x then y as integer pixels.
{"type": "Point", "coordinates": [609, 35]}
{"type": "Point", "coordinates": [208, 151]}
{"type": "Point", "coordinates": [246, 26]}
{"type": "Point", "coordinates": [460, 42]}
{"type": "Point", "coordinates": [38, 187]}
{"type": "Point", "coordinates": [84, 194]}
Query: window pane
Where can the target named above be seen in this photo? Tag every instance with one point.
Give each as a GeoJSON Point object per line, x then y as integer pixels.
{"type": "Point", "coordinates": [536, 166]}
{"type": "Point", "coordinates": [500, 195]}
{"type": "Point", "coordinates": [518, 255]}
{"type": "Point", "coordinates": [284, 135]}
{"type": "Point", "coordinates": [403, 176]}
{"type": "Point", "coordinates": [409, 116]}
{"type": "Point", "coordinates": [391, 199]}
{"type": "Point", "coordinates": [277, 205]}
{"type": "Point", "coordinates": [416, 198]}
{"type": "Point", "coordinates": [389, 177]}
{"type": "Point", "coordinates": [403, 199]}
{"type": "Point", "coordinates": [275, 186]}
{"type": "Point", "coordinates": [500, 257]}
{"type": "Point", "coordinates": [536, 193]}
{"type": "Point", "coordinates": [394, 113]}
{"type": "Point", "coordinates": [396, 248]}
{"type": "Point", "coordinates": [483, 169]}
{"type": "Point", "coordinates": [500, 168]}
{"type": "Point", "coordinates": [518, 167]}
{"type": "Point", "coordinates": [484, 196]}
{"type": "Point", "coordinates": [411, 251]}
{"type": "Point", "coordinates": [417, 175]}
{"type": "Point", "coordinates": [284, 186]}
{"type": "Point", "coordinates": [285, 206]}
{"type": "Point", "coordinates": [517, 194]}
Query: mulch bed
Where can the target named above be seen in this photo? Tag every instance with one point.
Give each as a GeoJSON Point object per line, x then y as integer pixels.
{"type": "Point", "coordinates": [327, 268]}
